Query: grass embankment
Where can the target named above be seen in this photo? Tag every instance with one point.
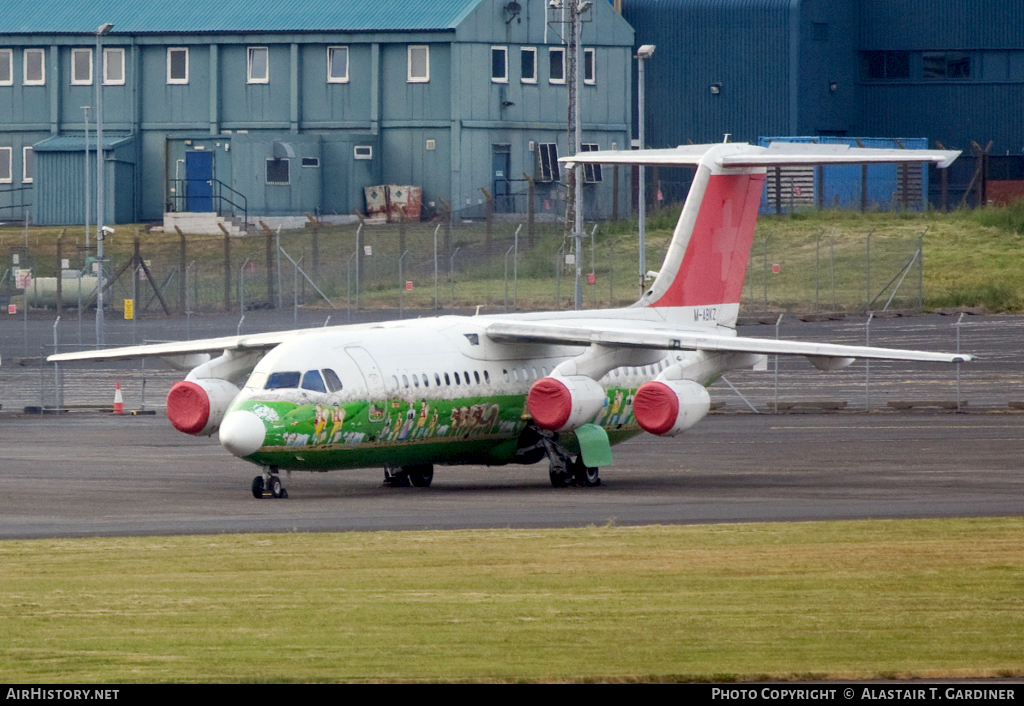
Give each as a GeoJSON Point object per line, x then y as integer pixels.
{"type": "Point", "coordinates": [808, 600]}
{"type": "Point", "coordinates": [970, 258]}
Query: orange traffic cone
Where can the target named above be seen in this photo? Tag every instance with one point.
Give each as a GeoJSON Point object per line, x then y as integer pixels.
{"type": "Point", "coordinates": [118, 400]}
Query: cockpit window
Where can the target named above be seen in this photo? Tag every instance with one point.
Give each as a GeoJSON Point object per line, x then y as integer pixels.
{"type": "Point", "coordinates": [332, 380]}
{"type": "Point", "coordinates": [279, 381]}
{"type": "Point", "coordinates": [313, 382]}
{"type": "Point", "coordinates": [256, 381]}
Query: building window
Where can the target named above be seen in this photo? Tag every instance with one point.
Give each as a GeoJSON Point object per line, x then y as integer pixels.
{"type": "Point", "coordinates": [5, 165]}
{"type": "Point", "coordinates": [177, 65]}
{"type": "Point", "coordinates": [946, 64]}
{"type": "Point", "coordinates": [883, 65]}
{"type": "Point", "coordinates": [556, 58]}
{"type": "Point", "coordinates": [27, 164]}
{"type": "Point", "coordinates": [35, 71]}
{"type": "Point", "coordinates": [113, 67]}
{"type": "Point", "coordinates": [589, 70]}
{"type": "Point", "coordinates": [278, 172]}
{"type": "Point", "coordinates": [499, 64]}
{"type": "Point", "coordinates": [591, 172]}
{"type": "Point", "coordinates": [259, 65]}
{"type": "Point", "coordinates": [337, 64]}
{"type": "Point", "coordinates": [311, 161]}
{"type": "Point", "coordinates": [81, 67]}
{"type": "Point", "coordinates": [6, 67]}
{"type": "Point", "coordinates": [528, 64]}
{"type": "Point", "coordinates": [419, 64]}
{"type": "Point", "coordinates": [547, 162]}
{"type": "Point", "coordinates": [362, 152]}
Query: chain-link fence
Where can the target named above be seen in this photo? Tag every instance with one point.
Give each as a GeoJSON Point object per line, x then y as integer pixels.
{"type": "Point", "coordinates": [833, 271]}
{"type": "Point", "coordinates": [458, 264]}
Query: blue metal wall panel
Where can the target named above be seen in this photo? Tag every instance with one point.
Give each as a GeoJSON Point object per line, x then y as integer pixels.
{"type": "Point", "coordinates": [741, 44]}
{"type": "Point", "coordinates": [941, 24]}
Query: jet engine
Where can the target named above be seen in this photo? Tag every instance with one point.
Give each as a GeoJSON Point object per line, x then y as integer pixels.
{"type": "Point", "coordinates": [197, 406]}
{"type": "Point", "coordinates": [670, 407]}
{"type": "Point", "coordinates": [564, 403]}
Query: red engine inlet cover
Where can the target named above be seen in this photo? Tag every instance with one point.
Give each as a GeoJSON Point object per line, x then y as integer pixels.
{"type": "Point", "coordinates": [188, 407]}
{"type": "Point", "coordinates": [549, 403]}
{"type": "Point", "coordinates": [655, 407]}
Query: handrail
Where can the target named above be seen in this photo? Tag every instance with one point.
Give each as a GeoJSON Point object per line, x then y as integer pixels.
{"type": "Point", "coordinates": [179, 200]}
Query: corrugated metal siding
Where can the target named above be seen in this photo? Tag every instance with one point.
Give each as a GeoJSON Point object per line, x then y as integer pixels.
{"type": "Point", "coordinates": [742, 44]}
{"type": "Point", "coordinates": [59, 192]}
{"type": "Point", "coordinates": [131, 16]}
{"type": "Point", "coordinates": [954, 113]}
{"type": "Point", "coordinates": [941, 24]}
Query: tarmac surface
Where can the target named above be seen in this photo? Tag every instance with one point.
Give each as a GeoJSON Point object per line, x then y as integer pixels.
{"type": "Point", "coordinates": [88, 473]}
{"type": "Point", "coordinates": [91, 474]}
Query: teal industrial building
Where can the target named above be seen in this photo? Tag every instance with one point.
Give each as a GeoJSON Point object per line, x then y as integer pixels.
{"type": "Point", "coordinates": [271, 109]}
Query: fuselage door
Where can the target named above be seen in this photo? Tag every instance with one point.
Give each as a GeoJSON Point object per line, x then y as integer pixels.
{"type": "Point", "coordinates": [370, 370]}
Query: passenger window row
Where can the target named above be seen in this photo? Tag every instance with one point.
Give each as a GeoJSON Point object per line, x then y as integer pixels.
{"type": "Point", "coordinates": [415, 380]}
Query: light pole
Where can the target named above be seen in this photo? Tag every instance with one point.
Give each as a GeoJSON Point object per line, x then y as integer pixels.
{"type": "Point", "coordinates": [100, 230]}
{"type": "Point", "coordinates": [85, 110]}
{"type": "Point", "coordinates": [642, 54]}
{"type": "Point", "coordinates": [577, 9]}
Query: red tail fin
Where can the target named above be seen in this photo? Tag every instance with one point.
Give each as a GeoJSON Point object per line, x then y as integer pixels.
{"type": "Point", "coordinates": [714, 262]}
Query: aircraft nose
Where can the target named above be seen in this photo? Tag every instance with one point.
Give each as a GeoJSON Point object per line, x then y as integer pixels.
{"type": "Point", "coordinates": [242, 433]}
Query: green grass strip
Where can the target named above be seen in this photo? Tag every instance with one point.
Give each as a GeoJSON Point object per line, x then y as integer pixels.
{"type": "Point", "coordinates": [723, 602]}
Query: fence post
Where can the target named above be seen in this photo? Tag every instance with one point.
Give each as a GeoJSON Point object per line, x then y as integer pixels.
{"type": "Point", "coordinates": [867, 364]}
{"type": "Point", "coordinates": [401, 281]}
{"type": "Point", "coordinates": [359, 257]}
{"type": "Point", "coordinates": [227, 267]}
{"type": "Point", "coordinates": [615, 192]}
{"type": "Point", "coordinates": [60, 274]}
{"type": "Point", "coordinates": [270, 262]}
{"type": "Point", "coordinates": [530, 210]}
{"type": "Point", "coordinates": [182, 286]}
{"type": "Point", "coordinates": [489, 221]}
{"type": "Point", "coordinates": [446, 219]}
{"type": "Point", "coordinates": [435, 265]}
{"type": "Point", "coordinates": [451, 274]}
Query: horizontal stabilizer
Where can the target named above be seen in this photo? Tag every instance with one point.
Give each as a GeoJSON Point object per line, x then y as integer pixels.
{"type": "Point", "coordinates": [778, 154]}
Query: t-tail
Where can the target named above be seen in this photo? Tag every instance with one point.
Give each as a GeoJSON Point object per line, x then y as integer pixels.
{"type": "Point", "coordinates": [701, 281]}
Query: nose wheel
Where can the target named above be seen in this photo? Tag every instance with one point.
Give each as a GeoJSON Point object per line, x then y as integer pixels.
{"type": "Point", "coordinates": [268, 485]}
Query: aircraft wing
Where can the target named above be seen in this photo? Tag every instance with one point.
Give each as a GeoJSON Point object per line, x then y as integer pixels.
{"type": "Point", "coordinates": [256, 341]}
{"type": "Point", "coordinates": [526, 332]}
{"type": "Point", "coordinates": [777, 154]}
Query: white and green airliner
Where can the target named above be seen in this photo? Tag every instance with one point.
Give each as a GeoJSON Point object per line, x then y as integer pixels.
{"type": "Point", "coordinates": [514, 388]}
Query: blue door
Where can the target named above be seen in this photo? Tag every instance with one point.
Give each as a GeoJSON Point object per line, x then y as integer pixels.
{"type": "Point", "coordinates": [199, 181]}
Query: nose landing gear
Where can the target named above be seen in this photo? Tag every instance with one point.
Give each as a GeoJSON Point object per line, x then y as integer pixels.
{"type": "Point", "coordinates": [268, 485]}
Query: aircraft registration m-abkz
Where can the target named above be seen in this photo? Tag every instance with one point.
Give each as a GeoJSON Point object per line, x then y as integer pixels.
{"type": "Point", "coordinates": [513, 388]}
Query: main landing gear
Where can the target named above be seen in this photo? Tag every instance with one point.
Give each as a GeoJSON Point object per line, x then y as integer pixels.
{"type": "Point", "coordinates": [563, 469]}
{"type": "Point", "coordinates": [268, 485]}
{"type": "Point", "coordinates": [419, 475]}
{"type": "Point", "coordinates": [574, 473]}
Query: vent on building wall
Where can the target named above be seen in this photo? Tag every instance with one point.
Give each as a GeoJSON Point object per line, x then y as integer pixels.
{"type": "Point", "coordinates": [364, 152]}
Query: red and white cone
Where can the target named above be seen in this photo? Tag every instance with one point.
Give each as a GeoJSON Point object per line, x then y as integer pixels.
{"type": "Point", "coordinates": [118, 400]}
